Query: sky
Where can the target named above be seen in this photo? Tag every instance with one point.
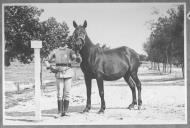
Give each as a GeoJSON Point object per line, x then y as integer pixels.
{"type": "Point", "coordinates": [113, 24]}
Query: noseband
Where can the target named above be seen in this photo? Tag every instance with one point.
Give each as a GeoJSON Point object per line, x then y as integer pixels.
{"type": "Point", "coordinates": [82, 39]}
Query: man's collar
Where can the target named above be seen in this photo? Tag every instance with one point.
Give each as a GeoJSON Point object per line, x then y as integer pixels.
{"type": "Point", "coordinates": [63, 47]}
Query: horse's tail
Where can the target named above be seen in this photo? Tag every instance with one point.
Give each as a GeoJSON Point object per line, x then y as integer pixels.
{"type": "Point", "coordinates": [134, 56]}
{"type": "Point", "coordinates": [138, 59]}
{"type": "Point", "coordinates": [140, 62]}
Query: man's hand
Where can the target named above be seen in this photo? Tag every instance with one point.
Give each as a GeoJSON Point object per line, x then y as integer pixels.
{"type": "Point", "coordinates": [53, 69]}
{"type": "Point", "coordinates": [78, 59]}
{"type": "Point", "coordinates": [48, 68]}
{"type": "Point", "coordinates": [47, 64]}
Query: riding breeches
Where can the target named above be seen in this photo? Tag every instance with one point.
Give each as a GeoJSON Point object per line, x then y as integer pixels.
{"type": "Point", "coordinates": [63, 88]}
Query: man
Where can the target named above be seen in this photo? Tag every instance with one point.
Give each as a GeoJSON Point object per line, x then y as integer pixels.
{"type": "Point", "coordinates": [63, 73]}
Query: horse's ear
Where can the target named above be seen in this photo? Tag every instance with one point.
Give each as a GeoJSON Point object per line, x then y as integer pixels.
{"type": "Point", "coordinates": [85, 24]}
{"type": "Point", "coordinates": [75, 24]}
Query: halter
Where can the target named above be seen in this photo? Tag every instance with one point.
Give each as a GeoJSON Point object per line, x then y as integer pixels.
{"type": "Point", "coordinates": [81, 45]}
{"type": "Point", "coordinates": [79, 36]}
{"type": "Point", "coordinates": [83, 40]}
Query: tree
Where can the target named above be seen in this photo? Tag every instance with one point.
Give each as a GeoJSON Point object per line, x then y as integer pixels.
{"type": "Point", "coordinates": [52, 33]}
{"type": "Point", "coordinates": [178, 36]}
{"type": "Point", "coordinates": [166, 42]}
{"type": "Point", "coordinates": [21, 26]}
{"type": "Point", "coordinates": [143, 57]}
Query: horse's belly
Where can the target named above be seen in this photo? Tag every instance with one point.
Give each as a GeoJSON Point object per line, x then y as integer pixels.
{"type": "Point", "coordinates": [115, 75]}
{"type": "Point", "coordinates": [115, 68]}
{"type": "Point", "coordinates": [112, 77]}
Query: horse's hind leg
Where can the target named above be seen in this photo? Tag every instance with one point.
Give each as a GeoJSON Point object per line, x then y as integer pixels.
{"type": "Point", "coordinates": [132, 86]}
{"type": "Point", "coordinates": [138, 85]}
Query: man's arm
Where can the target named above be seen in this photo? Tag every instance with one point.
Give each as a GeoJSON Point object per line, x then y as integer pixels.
{"type": "Point", "coordinates": [76, 57]}
{"type": "Point", "coordinates": [49, 59]}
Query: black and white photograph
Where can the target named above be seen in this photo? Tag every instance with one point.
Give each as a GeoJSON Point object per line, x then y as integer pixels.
{"type": "Point", "coordinates": [94, 63]}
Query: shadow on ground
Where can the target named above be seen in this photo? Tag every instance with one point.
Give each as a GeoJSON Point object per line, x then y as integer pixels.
{"type": "Point", "coordinates": [151, 74]}
{"type": "Point", "coordinates": [44, 112]}
{"type": "Point", "coordinates": [51, 112]}
{"type": "Point", "coordinates": [162, 80]}
{"type": "Point", "coordinates": [174, 81]}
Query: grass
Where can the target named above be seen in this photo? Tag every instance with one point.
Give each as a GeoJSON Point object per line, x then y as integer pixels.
{"type": "Point", "coordinates": [24, 73]}
{"type": "Point", "coordinates": [19, 72]}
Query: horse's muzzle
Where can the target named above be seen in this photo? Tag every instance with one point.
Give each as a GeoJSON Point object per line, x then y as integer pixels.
{"type": "Point", "coordinates": [79, 44]}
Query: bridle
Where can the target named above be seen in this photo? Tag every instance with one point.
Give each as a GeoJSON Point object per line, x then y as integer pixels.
{"type": "Point", "coordinates": [79, 46]}
{"type": "Point", "coordinates": [79, 36]}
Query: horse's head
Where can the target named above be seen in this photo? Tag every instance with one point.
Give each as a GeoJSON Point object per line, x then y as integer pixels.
{"type": "Point", "coordinates": [79, 35]}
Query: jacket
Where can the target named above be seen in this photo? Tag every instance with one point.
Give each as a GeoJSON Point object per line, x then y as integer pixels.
{"type": "Point", "coordinates": [63, 57]}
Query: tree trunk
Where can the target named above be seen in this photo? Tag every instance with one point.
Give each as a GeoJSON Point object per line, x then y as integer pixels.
{"type": "Point", "coordinates": [182, 67]}
{"type": "Point", "coordinates": [167, 61]}
{"type": "Point", "coordinates": [155, 66]}
{"type": "Point", "coordinates": [151, 65]}
{"type": "Point", "coordinates": [164, 67]}
{"type": "Point", "coordinates": [158, 67]}
{"type": "Point", "coordinates": [170, 68]}
{"type": "Point", "coordinates": [41, 73]}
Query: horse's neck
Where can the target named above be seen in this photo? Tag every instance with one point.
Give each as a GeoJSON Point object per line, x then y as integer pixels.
{"type": "Point", "coordinates": [85, 52]}
{"type": "Point", "coordinates": [88, 43]}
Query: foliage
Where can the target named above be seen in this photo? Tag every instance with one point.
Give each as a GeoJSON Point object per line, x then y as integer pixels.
{"type": "Point", "coordinates": [143, 57]}
{"type": "Point", "coordinates": [52, 35]}
{"type": "Point", "coordinates": [166, 42]}
{"type": "Point", "coordinates": [70, 42]}
{"type": "Point", "coordinates": [21, 26]}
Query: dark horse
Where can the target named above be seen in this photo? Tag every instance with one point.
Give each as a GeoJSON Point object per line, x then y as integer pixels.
{"type": "Point", "coordinates": [106, 65]}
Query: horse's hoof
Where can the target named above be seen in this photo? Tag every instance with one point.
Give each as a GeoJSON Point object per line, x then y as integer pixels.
{"type": "Point", "coordinates": [131, 106]}
{"type": "Point", "coordinates": [100, 111]}
{"type": "Point", "coordinates": [139, 107]}
{"type": "Point", "coordinates": [64, 114]}
{"type": "Point", "coordinates": [85, 110]}
{"type": "Point", "coordinates": [58, 116]}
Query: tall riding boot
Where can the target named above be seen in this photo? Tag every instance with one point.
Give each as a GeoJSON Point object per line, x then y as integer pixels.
{"type": "Point", "coordinates": [66, 106]}
{"type": "Point", "coordinates": [60, 108]}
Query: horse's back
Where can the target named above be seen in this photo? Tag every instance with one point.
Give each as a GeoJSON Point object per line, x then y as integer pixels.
{"type": "Point", "coordinates": [115, 63]}
{"type": "Point", "coordinates": [123, 50]}
{"type": "Point", "coordinates": [112, 63]}
{"type": "Point", "coordinates": [127, 54]}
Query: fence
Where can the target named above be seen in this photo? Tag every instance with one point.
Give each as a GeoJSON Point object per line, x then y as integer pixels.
{"type": "Point", "coordinates": [20, 76]}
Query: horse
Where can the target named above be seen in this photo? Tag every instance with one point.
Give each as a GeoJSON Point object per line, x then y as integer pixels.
{"type": "Point", "coordinates": [108, 65]}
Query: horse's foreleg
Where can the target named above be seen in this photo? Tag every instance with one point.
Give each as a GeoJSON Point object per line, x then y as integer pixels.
{"type": "Point", "coordinates": [101, 93]}
{"type": "Point", "coordinates": [88, 91]}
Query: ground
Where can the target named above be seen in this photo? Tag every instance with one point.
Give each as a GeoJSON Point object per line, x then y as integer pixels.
{"type": "Point", "coordinates": [163, 95]}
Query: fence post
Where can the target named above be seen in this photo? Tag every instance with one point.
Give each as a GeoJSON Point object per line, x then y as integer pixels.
{"type": "Point", "coordinates": [37, 45]}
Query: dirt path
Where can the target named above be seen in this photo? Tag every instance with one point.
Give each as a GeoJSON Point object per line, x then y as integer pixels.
{"type": "Point", "coordinates": [164, 102]}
